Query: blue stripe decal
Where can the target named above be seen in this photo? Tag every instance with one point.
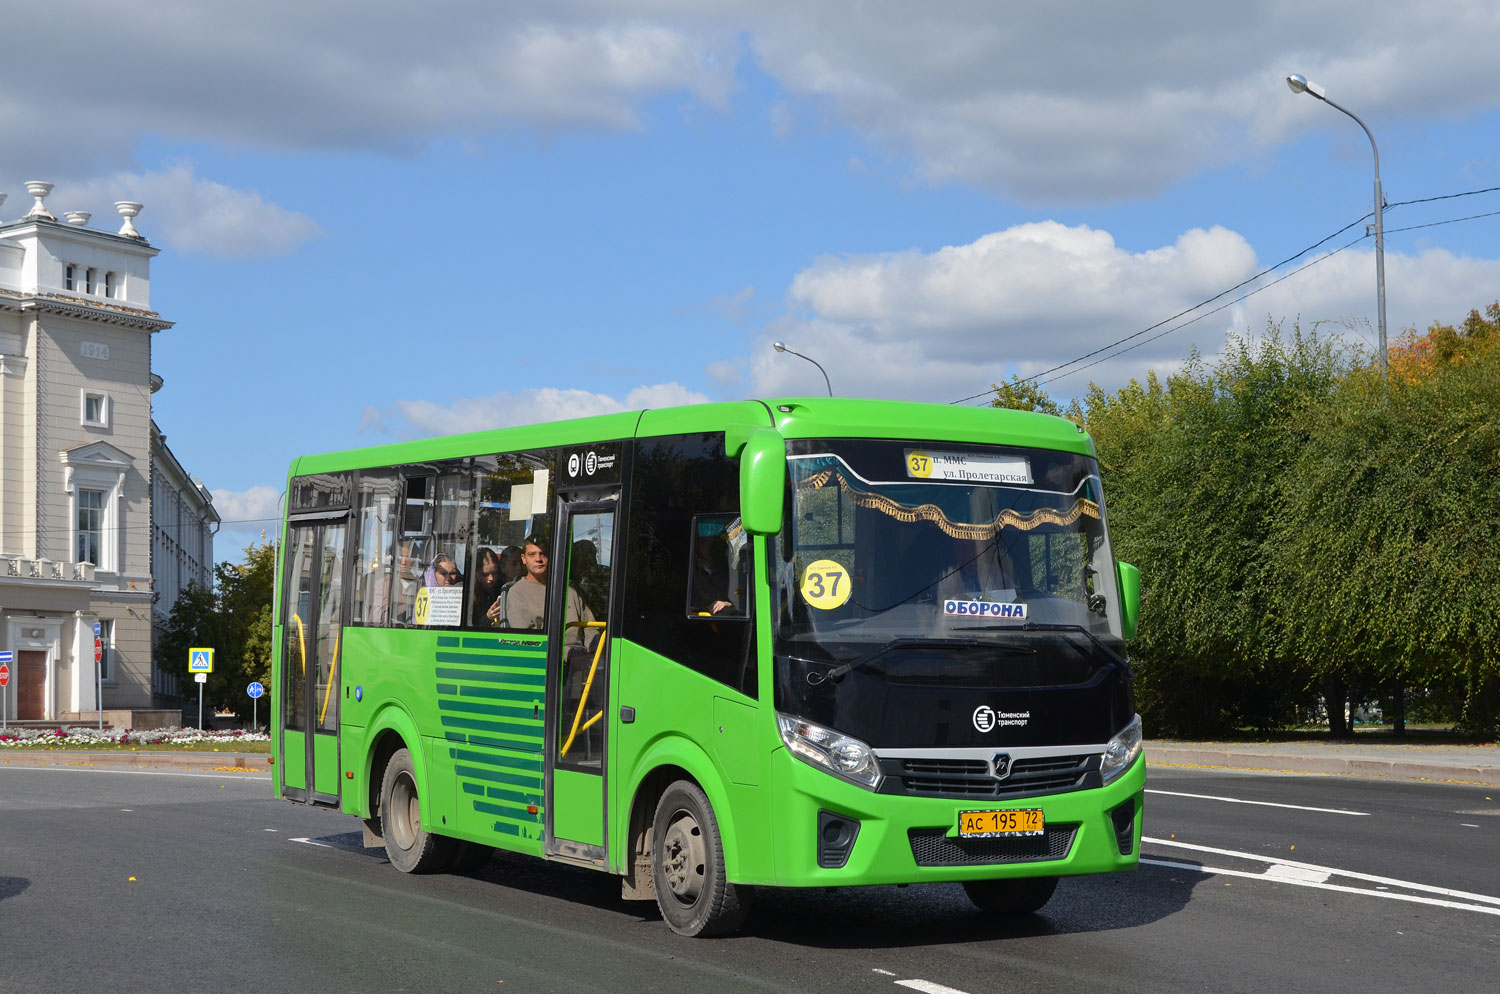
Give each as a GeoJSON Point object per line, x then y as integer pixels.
{"type": "Point", "coordinates": [490, 690]}
{"type": "Point", "coordinates": [525, 662]}
{"type": "Point", "coordinates": [494, 710]}
{"type": "Point", "coordinates": [498, 728]}
{"type": "Point", "coordinates": [496, 694]}
{"type": "Point", "coordinates": [483, 676]}
{"type": "Point", "coordinates": [499, 762]}
{"type": "Point", "coordinates": [491, 777]}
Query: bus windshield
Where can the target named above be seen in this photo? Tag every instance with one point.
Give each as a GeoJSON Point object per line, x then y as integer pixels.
{"type": "Point", "coordinates": [903, 540]}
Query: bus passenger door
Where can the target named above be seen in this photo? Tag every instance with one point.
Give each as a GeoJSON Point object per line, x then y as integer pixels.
{"type": "Point", "coordinates": [309, 692]}
{"type": "Point", "coordinates": [578, 672]}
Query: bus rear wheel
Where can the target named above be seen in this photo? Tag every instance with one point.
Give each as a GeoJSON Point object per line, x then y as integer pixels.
{"type": "Point", "coordinates": [1011, 897]}
{"type": "Point", "coordinates": [687, 866]}
{"type": "Point", "coordinates": [410, 848]}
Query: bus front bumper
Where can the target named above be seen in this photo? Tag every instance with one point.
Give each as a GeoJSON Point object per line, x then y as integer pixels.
{"type": "Point", "coordinates": [829, 833]}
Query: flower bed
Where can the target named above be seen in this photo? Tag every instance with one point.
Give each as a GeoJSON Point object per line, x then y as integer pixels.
{"type": "Point", "coordinates": [84, 738]}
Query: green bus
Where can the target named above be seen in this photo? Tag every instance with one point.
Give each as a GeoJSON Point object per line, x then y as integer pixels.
{"type": "Point", "coordinates": [806, 642]}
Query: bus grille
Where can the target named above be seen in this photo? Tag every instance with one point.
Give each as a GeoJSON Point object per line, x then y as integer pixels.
{"type": "Point", "coordinates": [971, 778]}
{"type": "Point", "coordinates": [934, 847]}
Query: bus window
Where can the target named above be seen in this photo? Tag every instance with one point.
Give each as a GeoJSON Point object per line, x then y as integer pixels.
{"type": "Point", "coordinates": [375, 515]}
{"type": "Point", "coordinates": [512, 503]}
{"type": "Point", "coordinates": [679, 484]}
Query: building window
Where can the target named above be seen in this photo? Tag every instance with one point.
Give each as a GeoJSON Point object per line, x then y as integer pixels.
{"type": "Point", "coordinates": [90, 278]}
{"type": "Point", "coordinates": [69, 276]}
{"type": "Point", "coordinates": [95, 408]}
{"type": "Point", "coordinates": [109, 284]}
{"type": "Point", "coordinates": [94, 479]}
{"type": "Point", "coordinates": [90, 525]}
{"type": "Point", "coordinates": [107, 644]}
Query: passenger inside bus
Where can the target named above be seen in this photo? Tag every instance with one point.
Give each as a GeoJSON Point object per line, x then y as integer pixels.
{"type": "Point", "coordinates": [712, 591]}
{"type": "Point", "coordinates": [443, 572]}
{"type": "Point", "coordinates": [489, 578]}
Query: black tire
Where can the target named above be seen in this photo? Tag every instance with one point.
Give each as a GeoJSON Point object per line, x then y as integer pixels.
{"type": "Point", "coordinates": [1011, 897]}
{"type": "Point", "coordinates": [687, 866]}
{"type": "Point", "coordinates": [469, 856]}
{"type": "Point", "coordinates": [410, 848]}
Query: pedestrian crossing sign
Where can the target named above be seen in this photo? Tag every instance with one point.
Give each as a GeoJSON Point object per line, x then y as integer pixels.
{"type": "Point", "coordinates": [200, 660]}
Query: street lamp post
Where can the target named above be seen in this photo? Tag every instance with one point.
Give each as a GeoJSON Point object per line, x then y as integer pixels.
{"type": "Point", "coordinates": [1300, 84]}
{"type": "Point", "coordinates": [779, 347]}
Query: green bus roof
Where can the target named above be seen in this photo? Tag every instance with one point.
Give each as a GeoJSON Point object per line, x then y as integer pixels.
{"type": "Point", "coordinates": [793, 417]}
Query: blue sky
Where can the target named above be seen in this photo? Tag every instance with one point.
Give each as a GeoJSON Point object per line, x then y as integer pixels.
{"type": "Point", "coordinates": [377, 223]}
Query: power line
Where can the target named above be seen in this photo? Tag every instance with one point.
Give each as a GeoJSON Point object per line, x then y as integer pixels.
{"type": "Point", "coordinates": [1038, 377]}
{"type": "Point", "coordinates": [1238, 300]}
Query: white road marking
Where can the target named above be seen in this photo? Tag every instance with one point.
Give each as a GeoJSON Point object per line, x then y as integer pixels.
{"type": "Point", "coordinates": [1264, 804]}
{"type": "Point", "coordinates": [1284, 871]}
{"type": "Point", "coordinates": [1312, 868]}
{"type": "Point", "coordinates": [1412, 898]}
{"type": "Point", "coordinates": [883, 973]}
{"type": "Point", "coordinates": [928, 987]}
{"type": "Point", "coordinates": [1464, 824]}
{"type": "Point", "coordinates": [320, 845]}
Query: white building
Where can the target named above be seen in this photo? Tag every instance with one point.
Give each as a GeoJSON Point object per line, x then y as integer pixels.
{"type": "Point", "coordinates": [77, 466]}
{"type": "Point", "coordinates": [183, 523]}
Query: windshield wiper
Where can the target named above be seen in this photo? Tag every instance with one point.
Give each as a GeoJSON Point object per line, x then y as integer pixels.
{"type": "Point", "coordinates": [817, 679]}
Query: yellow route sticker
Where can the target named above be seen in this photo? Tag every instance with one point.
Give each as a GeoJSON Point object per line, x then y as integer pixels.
{"type": "Point", "coordinates": [825, 585]}
{"type": "Point", "coordinates": [423, 606]}
{"type": "Point", "coordinates": [918, 464]}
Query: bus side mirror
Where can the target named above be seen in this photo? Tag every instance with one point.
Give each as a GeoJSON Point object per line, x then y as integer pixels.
{"type": "Point", "coordinates": [762, 481]}
{"type": "Point", "coordinates": [1130, 598]}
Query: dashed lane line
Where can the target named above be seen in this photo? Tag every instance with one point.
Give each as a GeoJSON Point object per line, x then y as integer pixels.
{"type": "Point", "coordinates": [1264, 804]}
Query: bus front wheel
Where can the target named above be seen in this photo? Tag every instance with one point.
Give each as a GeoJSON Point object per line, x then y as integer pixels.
{"type": "Point", "coordinates": [410, 848]}
{"type": "Point", "coordinates": [687, 866]}
{"type": "Point", "coordinates": [1011, 897]}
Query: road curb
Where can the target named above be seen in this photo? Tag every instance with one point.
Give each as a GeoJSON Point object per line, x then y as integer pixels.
{"type": "Point", "coordinates": [1293, 762]}
{"type": "Point", "coordinates": [225, 762]}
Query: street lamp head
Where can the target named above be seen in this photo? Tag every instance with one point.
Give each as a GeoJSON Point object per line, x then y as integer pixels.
{"type": "Point", "coordinates": [779, 346]}
{"type": "Point", "coordinates": [1298, 83]}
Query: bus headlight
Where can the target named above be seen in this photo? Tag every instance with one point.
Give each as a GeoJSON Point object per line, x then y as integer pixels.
{"type": "Point", "coordinates": [839, 754]}
{"type": "Point", "coordinates": [1122, 750]}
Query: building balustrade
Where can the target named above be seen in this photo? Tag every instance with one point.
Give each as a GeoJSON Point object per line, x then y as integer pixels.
{"type": "Point", "coordinates": [45, 569]}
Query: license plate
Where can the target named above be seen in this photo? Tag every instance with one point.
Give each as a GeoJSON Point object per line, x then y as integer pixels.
{"type": "Point", "coordinates": [992, 824]}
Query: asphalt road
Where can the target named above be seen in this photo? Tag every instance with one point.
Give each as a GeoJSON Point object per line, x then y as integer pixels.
{"type": "Point", "coordinates": [235, 891]}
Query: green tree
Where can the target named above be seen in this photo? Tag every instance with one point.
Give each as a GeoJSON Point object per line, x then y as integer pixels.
{"type": "Point", "coordinates": [1024, 395]}
{"type": "Point", "coordinates": [1194, 474]}
{"type": "Point", "coordinates": [234, 619]}
{"type": "Point", "coordinates": [1387, 550]}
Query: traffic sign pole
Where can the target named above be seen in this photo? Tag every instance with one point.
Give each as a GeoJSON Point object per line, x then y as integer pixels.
{"type": "Point", "coordinates": [6, 658]}
{"type": "Point", "coordinates": [254, 690]}
{"type": "Point", "coordinates": [99, 674]}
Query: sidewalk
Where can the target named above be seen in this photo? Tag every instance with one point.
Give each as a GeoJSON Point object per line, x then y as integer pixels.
{"type": "Point", "coordinates": [1456, 763]}
{"type": "Point", "coordinates": [145, 759]}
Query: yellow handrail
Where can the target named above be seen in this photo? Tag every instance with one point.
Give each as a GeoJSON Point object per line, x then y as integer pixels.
{"type": "Point", "coordinates": [587, 686]}
{"type": "Point", "coordinates": [301, 642]}
{"type": "Point", "coordinates": [332, 666]}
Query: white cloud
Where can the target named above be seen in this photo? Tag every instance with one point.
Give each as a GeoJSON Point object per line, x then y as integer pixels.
{"type": "Point", "coordinates": [1101, 102]}
{"type": "Point", "coordinates": [941, 326]}
{"type": "Point", "coordinates": [192, 214]}
{"type": "Point", "coordinates": [246, 515]}
{"type": "Point", "coordinates": [425, 418]}
{"type": "Point", "coordinates": [349, 74]}
{"type": "Point", "coordinates": [1076, 102]}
